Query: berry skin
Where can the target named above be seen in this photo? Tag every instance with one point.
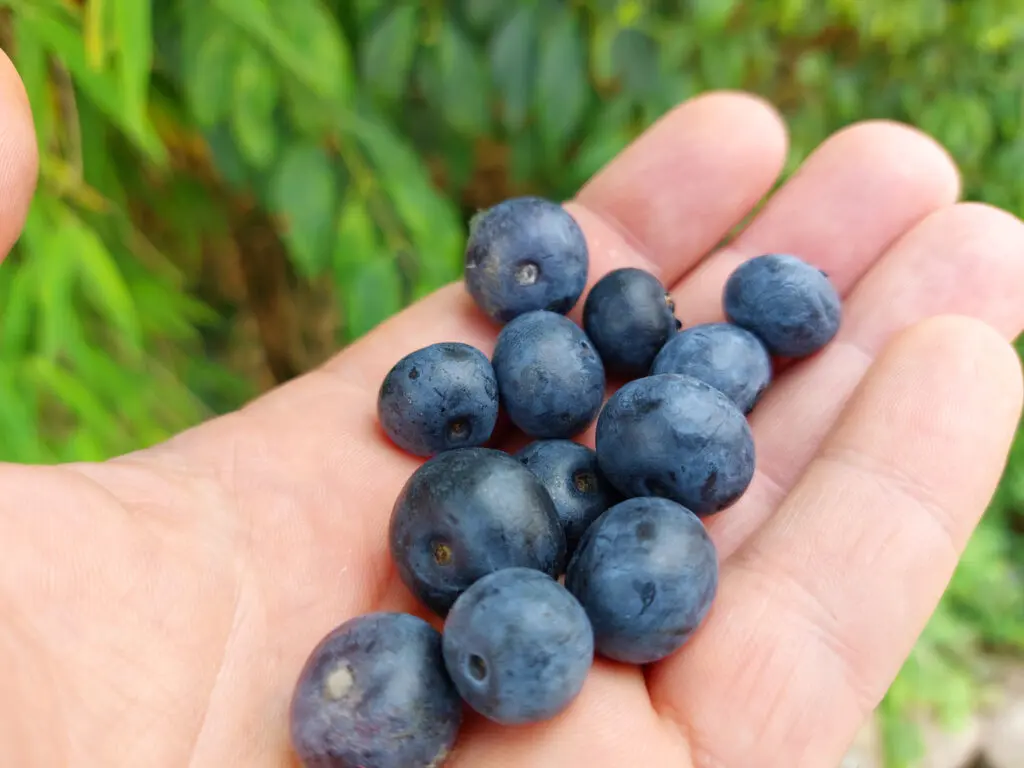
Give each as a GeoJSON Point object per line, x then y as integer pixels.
{"type": "Point", "coordinates": [679, 438]}
{"type": "Point", "coordinates": [518, 646]}
{"type": "Point", "coordinates": [629, 317]}
{"type": "Point", "coordinates": [646, 573]}
{"type": "Point", "coordinates": [729, 358]}
{"type": "Point", "coordinates": [525, 254]}
{"type": "Point", "coordinates": [550, 377]}
{"type": "Point", "coordinates": [788, 304]}
{"type": "Point", "coordinates": [438, 398]}
{"type": "Point", "coordinates": [466, 513]}
{"type": "Point", "coordinates": [375, 693]}
{"type": "Point", "coordinates": [571, 475]}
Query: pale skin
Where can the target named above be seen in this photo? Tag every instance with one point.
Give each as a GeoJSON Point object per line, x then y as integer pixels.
{"type": "Point", "coordinates": [155, 609]}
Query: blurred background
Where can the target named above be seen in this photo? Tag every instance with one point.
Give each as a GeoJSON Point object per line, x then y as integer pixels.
{"type": "Point", "coordinates": [232, 189]}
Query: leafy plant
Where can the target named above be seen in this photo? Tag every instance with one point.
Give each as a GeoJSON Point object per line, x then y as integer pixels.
{"type": "Point", "coordinates": [231, 189]}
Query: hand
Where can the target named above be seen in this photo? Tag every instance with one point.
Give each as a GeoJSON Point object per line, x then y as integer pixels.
{"type": "Point", "coordinates": [155, 609]}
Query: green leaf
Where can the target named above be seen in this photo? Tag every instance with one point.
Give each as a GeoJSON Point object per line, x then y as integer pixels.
{"type": "Point", "coordinates": [134, 46]}
{"type": "Point", "coordinates": [210, 73]}
{"type": "Point", "coordinates": [255, 92]}
{"type": "Point", "coordinates": [388, 52]}
{"type": "Point", "coordinates": [302, 37]}
{"type": "Point", "coordinates": [482, 14]}
{"type": "Point", "coordinates": [103, 283]}
{"type": "Point", "coordinates": [513, 53]}
{"type": "Point", "coordinates": [303, 193]}
{"type": "Point", "coordinates": [373, 295]}
{"type": "Point", "coordinates": [562, 87]}
{"type": "Point", "coordinates": [31, 60]}
{"type": "Point", "coordinates": [356, 242]}
{"type": "Point", "coordinates": [464, 83]}
{"type": "Point", "coordinates": [66, 43]}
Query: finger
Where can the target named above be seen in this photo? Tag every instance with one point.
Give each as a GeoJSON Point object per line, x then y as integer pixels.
{"type": "Point", "coordinates": [691, 177]}
{"type": "Point", "coordinates": [19, 161]}
{"type": "Point", "coordinates": [965, 259]}
{"type": "Point", "coordinates": [696, 172]}
{"type": "Point", "coordinates": [857, 193]}
{"type": "Point", "coordinates": [820, 607]}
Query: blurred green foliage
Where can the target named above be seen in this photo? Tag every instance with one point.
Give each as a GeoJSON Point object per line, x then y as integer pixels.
{"type": "Point", "coordinates": [232, 188]}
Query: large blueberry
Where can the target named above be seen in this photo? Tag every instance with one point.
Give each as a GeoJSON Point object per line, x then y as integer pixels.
{"type": "Point", "coordinates": [518, 646]}
{"type": "Point", "coordinates": [467, 513]}
{"type": "Point", "coordinates": [525, 254]}
{"type": "Point", "coordinates": [789, 304]}
{"type": "Point", "coordinates": [440, 397]}
{"type": "Point", "coordinates": [629, 316]}
{"type": "Point", "coordinates": [374, 693]}
{"type": "Point", "coordinates": [729, 358]}
{"type": "Point", "coordinates": [571, 474]}
{"type": "Point", "coordinates": [646, 572]}
{"type": "Point", "coordinates": [679, 438]}
{"type": "Point", "coordinates": [550, 377]}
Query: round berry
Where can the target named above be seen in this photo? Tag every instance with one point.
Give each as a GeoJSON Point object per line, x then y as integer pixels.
{"type": "Point", "coordinates": [375, 692]}
{"type": "Point", "coordinates": [629, 316]}
{"type": "Point", "coordinates": [646, 573]}
{"type": "Point", "coordinates": [679, 438]}
{"type": "Point", "coordinates": [518, 646]}
{"type": "Point", "coordinates": [787, 303]}
{"type": "Point", "coordinates": [550, 377]}
{"type": "Point", "coordinates": [466, 513]}
{"type": "Point", "coordinates": [438, 398]}
{"type": "Point", "coordinates": [729, 358]}
{"type": "Point", "coordinates": [525, 254]}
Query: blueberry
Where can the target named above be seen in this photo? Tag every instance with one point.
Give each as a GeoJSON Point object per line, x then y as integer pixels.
{"type": "Point", "coordinates": [550, 377]}
{"type": "Point", "coordinates": [573, 478]}
{"type": "Point", "coordinates": [518, 646]}
{"type": "Point", "coordinates": [790, 305]}
{"type": "Point", "coordinates": [525, 254]}
{"type": "Point", "coordinates": [437, 398]}
{"type": "Point", "coordinates": [629, 317]}
{"type": "Point", "coordinates": [729, 358]}
{"type": "Point", "coordinates": [374, 693]}
{"type": "Point", "coordinates": [676, 437]}
{"type": "Point", "coordinates": [646, 572]}
{"type": "Point", "coordinates": [466, 513]}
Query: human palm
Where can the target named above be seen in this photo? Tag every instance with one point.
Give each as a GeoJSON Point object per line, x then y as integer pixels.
{"type": "Point", "coordinates": [156, 609]}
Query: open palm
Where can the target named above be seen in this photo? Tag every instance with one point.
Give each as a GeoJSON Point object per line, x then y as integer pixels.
{"type": "Point", "coordinates": [155, 610]}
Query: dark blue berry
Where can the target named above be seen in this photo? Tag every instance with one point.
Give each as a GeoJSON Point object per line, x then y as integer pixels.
{"type": "Point", "coordinates": [729, 358]}
{"type": "Point", "coordinates": [518, 646]}
{"type": "Point", "coordinates": [525, 254]}
{"type": "Point", "coordinates": [787, 303]}
{"type": "Point", "coordinates": [571, 474]}
{"type": "Point", "coordinates": [550, 377]}
{"type": "Point", "coordinates": [629, 316]}
{"type": "Point", "coordinates": [679, 438]}
{"type": "Point", "coordinates": [374, 693]}
{"type": "Point", "coordinates": [467, 513]}
{"type": "Point", "coordinates": [646, 574]}
{"type": "Point", "coordinates": [438, 398]}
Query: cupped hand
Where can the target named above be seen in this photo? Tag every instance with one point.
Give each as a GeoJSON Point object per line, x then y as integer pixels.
{"type": "Point", "coordinates": [156, 609]}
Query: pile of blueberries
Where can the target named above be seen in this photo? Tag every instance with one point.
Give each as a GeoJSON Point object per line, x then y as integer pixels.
{"type": "Point", "coordinates": [482, 537]}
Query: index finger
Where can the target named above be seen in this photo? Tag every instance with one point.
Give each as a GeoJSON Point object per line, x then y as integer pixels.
{"type": "Point", "coordinates": [19, 161]}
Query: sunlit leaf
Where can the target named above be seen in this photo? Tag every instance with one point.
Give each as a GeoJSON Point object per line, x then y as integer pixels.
{"type": "Point", "coordinates": [254, 97]}
{"type": "Point", "coordinates": [562, 87]}
{"type": "Point", "coordinates": [373, 295]}
{"type": "Point", "coordinates": [210, 75]}
{"type": "Point", "coordinates": [513, 55]}
{"type": "Point", "coordinates": [388, 51]}
{"type": "Point", "coordinates": [303, 193]}
{"type": "Point", "coordinates": [464, 82]}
